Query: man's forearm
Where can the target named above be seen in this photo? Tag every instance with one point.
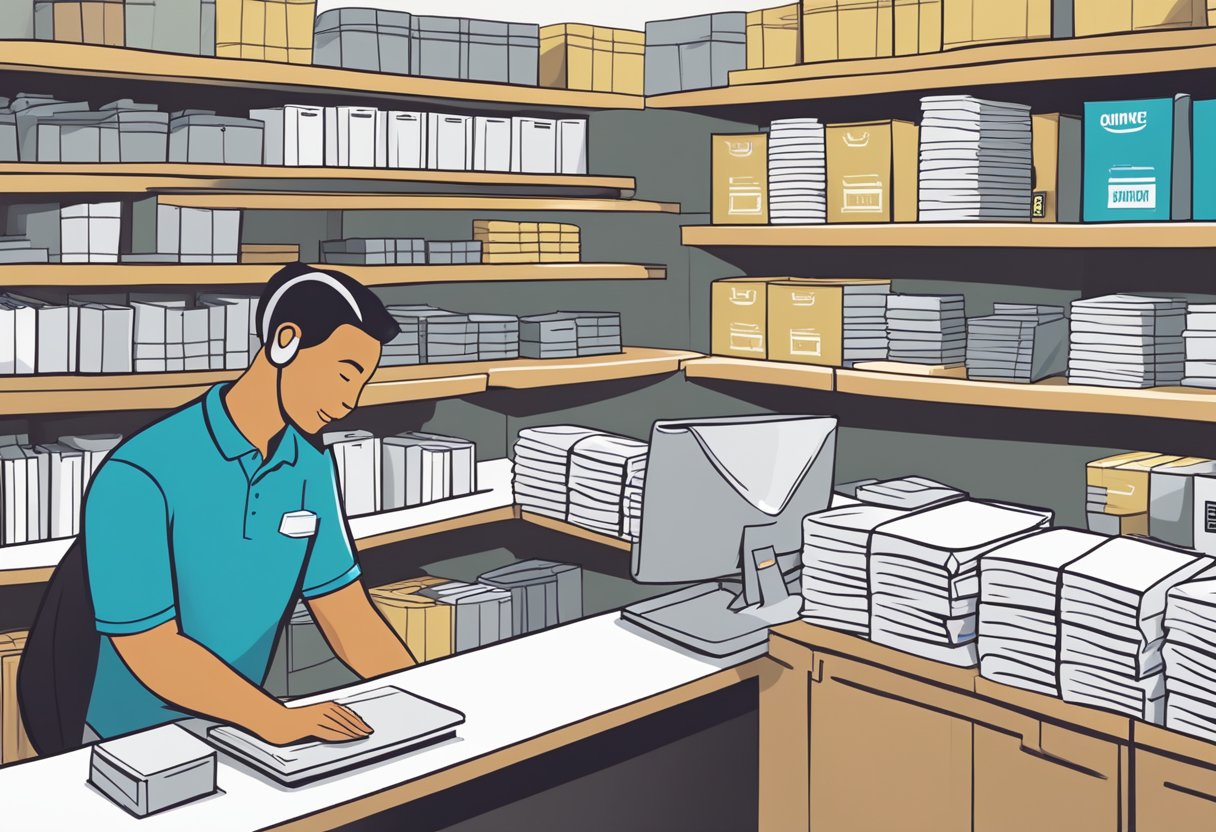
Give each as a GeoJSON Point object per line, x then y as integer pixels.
{"type": "Point", "coordinates": [358, 634]}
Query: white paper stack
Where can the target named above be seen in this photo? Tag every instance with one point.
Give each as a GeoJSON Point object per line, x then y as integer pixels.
{"type": "Point", "coordinates": [600, 467]}
{"type": "Point", "coordinates": [797, 172]}
{"type": "Point", "coordinates": [1019, 624]}
{"type": "Point", "coordinates": [975, 160]}
{"type": "Point", "coordinates": [1019, 343]}
{"type": "Point", "coordinates": [1200, 337]}
{"type": "Point", "coordinates": [540, 472]}
{"type": "Point", "coordinates": [907, 493]}
{"type": "Point", "coordinates": [633, 507]}
{"type": "Point", "coordinates": [1127, 341]}
{"type": "Point", "coordinates": [924, 583]}
{"type": "Point", "coordinates": [1190, 657]}
{"type": "Point", "coordinates": [927, 329]}
{"type": "Point", "coordinates": [1112, 613]}
{"type": "Point", "coordinates": [357, 456]}
{"type": "Point", "coordinates": [865, 322]}
{"type": "Point", "coordinates": [835, 566]}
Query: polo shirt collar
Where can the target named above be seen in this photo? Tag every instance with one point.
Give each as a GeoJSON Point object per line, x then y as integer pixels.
{"type": "Point", "coordinates": [232, 444]}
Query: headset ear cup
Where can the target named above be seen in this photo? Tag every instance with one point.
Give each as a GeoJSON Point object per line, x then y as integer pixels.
{"type": "Point", "coordinates": [280, 355]}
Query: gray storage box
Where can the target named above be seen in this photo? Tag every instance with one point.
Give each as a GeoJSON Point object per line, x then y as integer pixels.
{"type": "Point", "coordinates": [202, 137]}
{"type": "Point", "coordinates": [692, 53]}
{"type": "Point", "coordinates": [134, 133]}
{"type": "Point", "coordinates": [347, 38]}
{"type": "Point", "coordinates": [183, 26]}
{"type": "Point", "coordinates": [456, 253]}
{"type": "Point", "coordinates": [8, 137]}
{"type": "Point", "coordinates": [29, 110]}
{"type": "Point", "coordinates": [435, 46]}
{"type": "Point", "coordinates": [543, 593]}
{"type": "Point", "coordinates": [17, 22]}
{"type": "Point", "coordinates": [153, 770]}
{"type": "Point", "coordinates": [374, 252]}
{"type": "Point", "coordinates": [475, 50]}
{"type": "Point", "coordinates": [39, 223]}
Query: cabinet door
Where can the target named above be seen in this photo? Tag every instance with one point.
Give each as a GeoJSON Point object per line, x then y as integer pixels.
{"type": "Point", "coordinates": [1173, 795]}
{"type": "Point", "coordinates": [886, 754]}
{"type": "Point", "coordinates": [1060, 780]}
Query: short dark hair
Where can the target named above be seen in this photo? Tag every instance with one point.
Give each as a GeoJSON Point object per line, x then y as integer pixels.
{"type": "Point", "coordinates": [318, 309]}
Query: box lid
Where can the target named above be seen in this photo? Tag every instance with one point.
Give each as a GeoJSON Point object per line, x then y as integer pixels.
{"type": "Point", "coordinates": [157, 751]}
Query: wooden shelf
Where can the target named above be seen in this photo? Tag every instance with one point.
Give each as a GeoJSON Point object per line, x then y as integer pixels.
{"type": "Point", "coordinates": [1164, 235]}
{"type": "Point", "coordinates": [312, 201]}
{"type": "Point", "coordinates": [634, 362]}
{"type": "Point", "coordinates": [56, 178]}
{"type": "Point", "coordinates": [1140, 53]}
{"type": "Point", "coordinates": [779, 373]}
{"type": "Point", "coordinates": [131, 64]}
{"type": "Point", "coordinates": [184, 274]}
{"type": "Point", "coordinates": [575, 531]}
{"type": "Point", "coordinates": [1055, 394]}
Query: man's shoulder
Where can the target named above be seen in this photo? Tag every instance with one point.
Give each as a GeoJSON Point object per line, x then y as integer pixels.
{"type": "Point", "coordinates": [164, 442]}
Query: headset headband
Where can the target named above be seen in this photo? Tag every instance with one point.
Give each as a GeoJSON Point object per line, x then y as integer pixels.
{"type": "Point", "coordinates": [315, 277]}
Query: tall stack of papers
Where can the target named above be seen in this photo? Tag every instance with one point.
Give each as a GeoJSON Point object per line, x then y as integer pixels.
{"type": "Point", "coordinates": [1019, 625]}
{"type": "Point", "coordinates": [907, 493]}
{"type": "Point", "coordinates": [865, 322]}
{"type": "Point", "coordinates": [543, 593]}
{"type": "Point", "coordinates": [600, 467]}
{"type": "Point", "coordinates": [1200, 336]}
{"type": "Point", "coordinates": [1018, 342]}
{"type": "Point", "coordinates": [797, 172]}
{"type": "Point", "coordinates": [927, 329]}
{"type": "Point", "coordinates": [633, 507]}
{"type": "Point", "coordinates": [975, 160]}
{"type": "Point", "coordinates": [1190, 657]}
{"type": "Point", "coordinates": [406, 348]}
{"type": "Point", "coordinates": [1127, 341]}
{"type": "Point", "coordinates": [448, 337]}
{"type": "Point", "coordinates": [835, 566]}
{"type": "Point", "coordinates": [497, 336]}
{"type": "Point", "coordinates": [541, 466]}
{"type": "Point", "coordinates": [923, 575]}
{"type": "Point", "coordinates": [1112, 613]}
{"type": "Point", "coordinates": [598, 333]}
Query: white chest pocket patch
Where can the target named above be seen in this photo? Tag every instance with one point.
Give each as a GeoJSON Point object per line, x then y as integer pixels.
{"type": "Point", "coordinates": [298, 524]}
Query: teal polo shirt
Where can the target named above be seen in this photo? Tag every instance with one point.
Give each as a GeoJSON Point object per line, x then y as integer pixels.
{"type": "Point", "coordinates": [183, 521]}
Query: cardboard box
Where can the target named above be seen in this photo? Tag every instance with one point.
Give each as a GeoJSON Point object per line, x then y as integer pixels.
{"type": "Point", "coordinates": [576, 56]}
{"type": "Point", "coordinates": [1203, 144]}
{"type": "Point", "coordinates": [1124, 480]}
{"type": "Point", "coordinates": [980, 22]}
{"type": "Point", "coordinates": [806, 320]}
{"type": "Point", "coordinates": [422, 623]}
{"type": "Point", "coordinates": [774, 36]}
{"type": "Point", "coordinates": [1173, 493]}
{"type": "Point", "coordinates": [14, 742]}
{"type": "Point", "coordinates": [1138, 160]}
{"type": "Point", "coordinates": [739, 325]}
{"type": "Point", "coordinates": [1101, 17]}
{"type": "Point", "coordinates": [918, 26]}
{"type": "Point", "coordinates": [1057, 168]}
{"type": "Point", "coordinates": [873, 172]}
{"type": "Point", "coordinates": [270, 254]}
{"type": "Point", "coordinates": [838, 30]}
{"type": "Point", "coordinates": [265, 30]}
{"type": "Point", "coordinates": [100, 22]}
{"type": "Point", "coordinates": [740, 179]}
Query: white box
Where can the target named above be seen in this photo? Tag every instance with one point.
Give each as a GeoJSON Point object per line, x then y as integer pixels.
{"type": "Point", "coordinates": [492, 143]}
{"type": "Point", "coordinates": [357, 455]}
{"type": "Point", "coordinates": [352, 136]}
{"type": "Point", "coordinates": [153, 770]}
{"type": "Point", "coordinates": [406, 140]}
{"type": "Point", "coordinates": [533, 145]}
{"type": "Point", "coordinates": [572, 145]}
{"type": "Point", "coordinates": [294, 135]}
{"type": "Point", "coordinates": [449, 140]}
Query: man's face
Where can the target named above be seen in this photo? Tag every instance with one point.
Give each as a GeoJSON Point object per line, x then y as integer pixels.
{"type": "Point", "coordinates": [323, 383]}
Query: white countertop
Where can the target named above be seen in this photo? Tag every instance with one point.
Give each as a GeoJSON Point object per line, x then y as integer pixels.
{"type": "Point", "coordinates": [510, 692]}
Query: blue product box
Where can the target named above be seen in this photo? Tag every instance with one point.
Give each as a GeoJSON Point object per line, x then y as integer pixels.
{"type": "Point", "coordinates": [1204, 153]}
{"type": "Point", "coordinates": [1138, 160]}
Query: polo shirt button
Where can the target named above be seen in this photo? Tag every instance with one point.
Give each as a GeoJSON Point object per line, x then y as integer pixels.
{"type": "Point", "coordinates": [253, 513]}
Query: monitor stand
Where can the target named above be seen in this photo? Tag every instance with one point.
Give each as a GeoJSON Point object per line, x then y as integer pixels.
{"type": "Point", "coordinates": [723, 618]}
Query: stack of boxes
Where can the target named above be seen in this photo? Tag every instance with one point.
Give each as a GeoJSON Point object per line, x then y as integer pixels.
{"type": "Point", "coordinates": [1057, 141]}
{"type": "Point", "coordinates": [569, 335]}
{"type": "Point", "coordinates": [90, 232]}
{"type": "Point", "coordinates": [840, 30]}
{"type": "Point", "coordinates": [574, 56]}
{"type": "Point", "coordinates": [918, 26]}
{"type": "Point", "coordinates": [168, 234]}
{"type": "Point", "coordinates": [372, 40]}
{"type": "Point", "coordinates": [405, 251]}
{"type": "Point", "coordinates": [418, 468]}
{"type": "Point", "coordinates": [406, 348]}
{"type": "Point", "coordinates": [183, 26]}
{"type": "Point", "coordinates": [1132, 341]}
{"type": "Point", "coordinates": [497, 336]}
{"type": "Point", "coordinates": [265, 30]}
{"type": "Point", "coordinates": [420, 621]}
{"type": "Point", "coordinates": [121, 131]}
{"type": "Point", "coordinates": [453, 252]}
{"type": "Point", "coordinates": [172, 334]}
{"type": "Point", "coordinates": [980, 22]}
{"type": "Point", "coordinates": [504, 241]}
{"type": "Point", "coordinates": [474, 50]}
{"type": "Point", "coordinates": [774, 36]}
{"type": "Point", "coordinates": [543, 593]}
{"type": "Point", "coordinates": [44, 486]}
{"type": "Point", "coordinates": [100, 22]}
{"type": "Point", "coordinates": [693, 53]}
{"type": "Point", "coordinates": [262, 254]}
{"type": "Point", "coordinates": [740, 178]}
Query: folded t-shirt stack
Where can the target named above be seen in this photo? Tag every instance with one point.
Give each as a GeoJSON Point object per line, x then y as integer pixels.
{"type": "Point", "coordinates": [600, 467]}
{"type": "Point", "coordinates": [1112, 613]}
{"type": "Point", "coordinates": [540, 472]}
{"type": "Point", "coordinates": [927, 329]}
{"type": "Point", "coordinates": [1018, 342]}
{"type": "Point", "coordinates": [923, 575]}
{"type": "Point", "coordinates": [907, 493]}
{"type": "Point", "coordinates": [1019, 627]}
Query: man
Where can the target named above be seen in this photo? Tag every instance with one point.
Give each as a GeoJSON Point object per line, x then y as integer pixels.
{"type": "Point", "coordinates": [202, 530]}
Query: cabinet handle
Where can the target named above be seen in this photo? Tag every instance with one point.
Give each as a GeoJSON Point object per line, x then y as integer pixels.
{"type": "Point", "coordinates": [1063, 763]}
{"type": "Point", "coordinates": [1189, 792]}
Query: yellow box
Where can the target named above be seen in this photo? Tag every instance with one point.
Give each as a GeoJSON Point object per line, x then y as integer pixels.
{"type": "Point", "coordinates": [265, 30]}
{"type": "Point", "coordinates": [14, 742]}
{"type": "Point", "coordinates": [918, 26]}
{"type": "Point", "coordinates": [806, 319]}
{"type": "Point", "coordinates": [1125, 478]}
{"type": "Point", "coordinates": [422, 623]}
{"type": "Point", "coordinates": [740, 179]}
{"type": "Point", "coordinates": [837, 30]}
{"type": "Point", "coordinates": [977, 22]}
{"type": "Point", "coordinates": [774, 36]}
{"type": "Point", "coordinates": [739, 316]}
{"type": "Point", "coordinates": [873, 172]}
{"type": "Point", "coordinates": [576, 56]}
{"type": "Point", "coordinates": [1100, 17]}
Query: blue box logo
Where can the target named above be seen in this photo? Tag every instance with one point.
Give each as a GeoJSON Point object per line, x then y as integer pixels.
{"type": "Point", "coordinates": [1135, 153]}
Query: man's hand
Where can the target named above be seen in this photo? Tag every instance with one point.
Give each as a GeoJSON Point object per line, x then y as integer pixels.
{"type": "Point", "coordinates": [328, 721]}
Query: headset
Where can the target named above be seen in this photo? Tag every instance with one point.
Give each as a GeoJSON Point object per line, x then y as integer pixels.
{"type": "Point", "coordinates": [281, 355]}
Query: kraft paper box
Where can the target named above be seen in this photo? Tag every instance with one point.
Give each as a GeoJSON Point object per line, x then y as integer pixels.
{"type": "Point", "coordinates": [576, 56]}
{"type": "Point", "coordinates": [1124, 480]}
{"type": "Point", "coordinates": [979, 22]}
{"type": "Point", "coordinates": [1204, 145]}
{"type": "Point", "coordinates": [14, 742]}
{"type": "Point", "coordinates": [1057, 168]}
{"type": "Point", "coordinates": [740, 179]}
{"type": "Point", "coordinates": [918, 26]}
{"type": "Point", "coordinates": [422, 623]}
{"type": "Point", "coordinates": [774, 37]}
{"type": "Point", "coordinates": [1100, 17]}
{"type": "Point", "coordinates": [872, 172]}
{"type": "Point", "coordinates": [837, 30]}
{"type": "Point", "coordinates": [1138, 160]}
{"type": "Point", "coordinates": [806, 320]}
{"type": "Point", "coordinates": [1114, 525]}
{"type": "Point", "coordinates": [739, 315]}
{"type": "Point", "coordinates": [101, 22]}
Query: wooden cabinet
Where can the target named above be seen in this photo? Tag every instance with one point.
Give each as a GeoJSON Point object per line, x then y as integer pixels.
{"type": "Point", "coordinates": [14, 743]}
{"type": "Point", "coordinates": [1175, 784]}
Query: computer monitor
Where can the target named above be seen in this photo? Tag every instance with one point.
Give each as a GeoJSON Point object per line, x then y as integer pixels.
{"type": "Point", "coordinates": [724, 501]}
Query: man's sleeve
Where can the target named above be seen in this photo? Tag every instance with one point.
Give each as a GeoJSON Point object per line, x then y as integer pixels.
{"type": "Point", "coordinates": [126, 528]}
{"type": "Point", "coordinates": [331, 565]}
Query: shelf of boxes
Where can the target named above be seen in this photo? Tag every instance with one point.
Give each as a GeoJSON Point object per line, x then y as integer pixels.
{"type": "Point", "coordinates": [25, 395]}
{"type": "Point", "coordinates": [1165, 235]}
{"type": "Point", "coordinates": [331, 201]}
{"type": "Point", "coordinates": [779, 373]}
{"type": "Point", "coordinates": [91, 61]}
{"type": "Point", "coordinates": [184, 274]}
{"type": "Point", "coordinates": [65, 178]}
{"type": "Point", "coordinates": [1139, 53]}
